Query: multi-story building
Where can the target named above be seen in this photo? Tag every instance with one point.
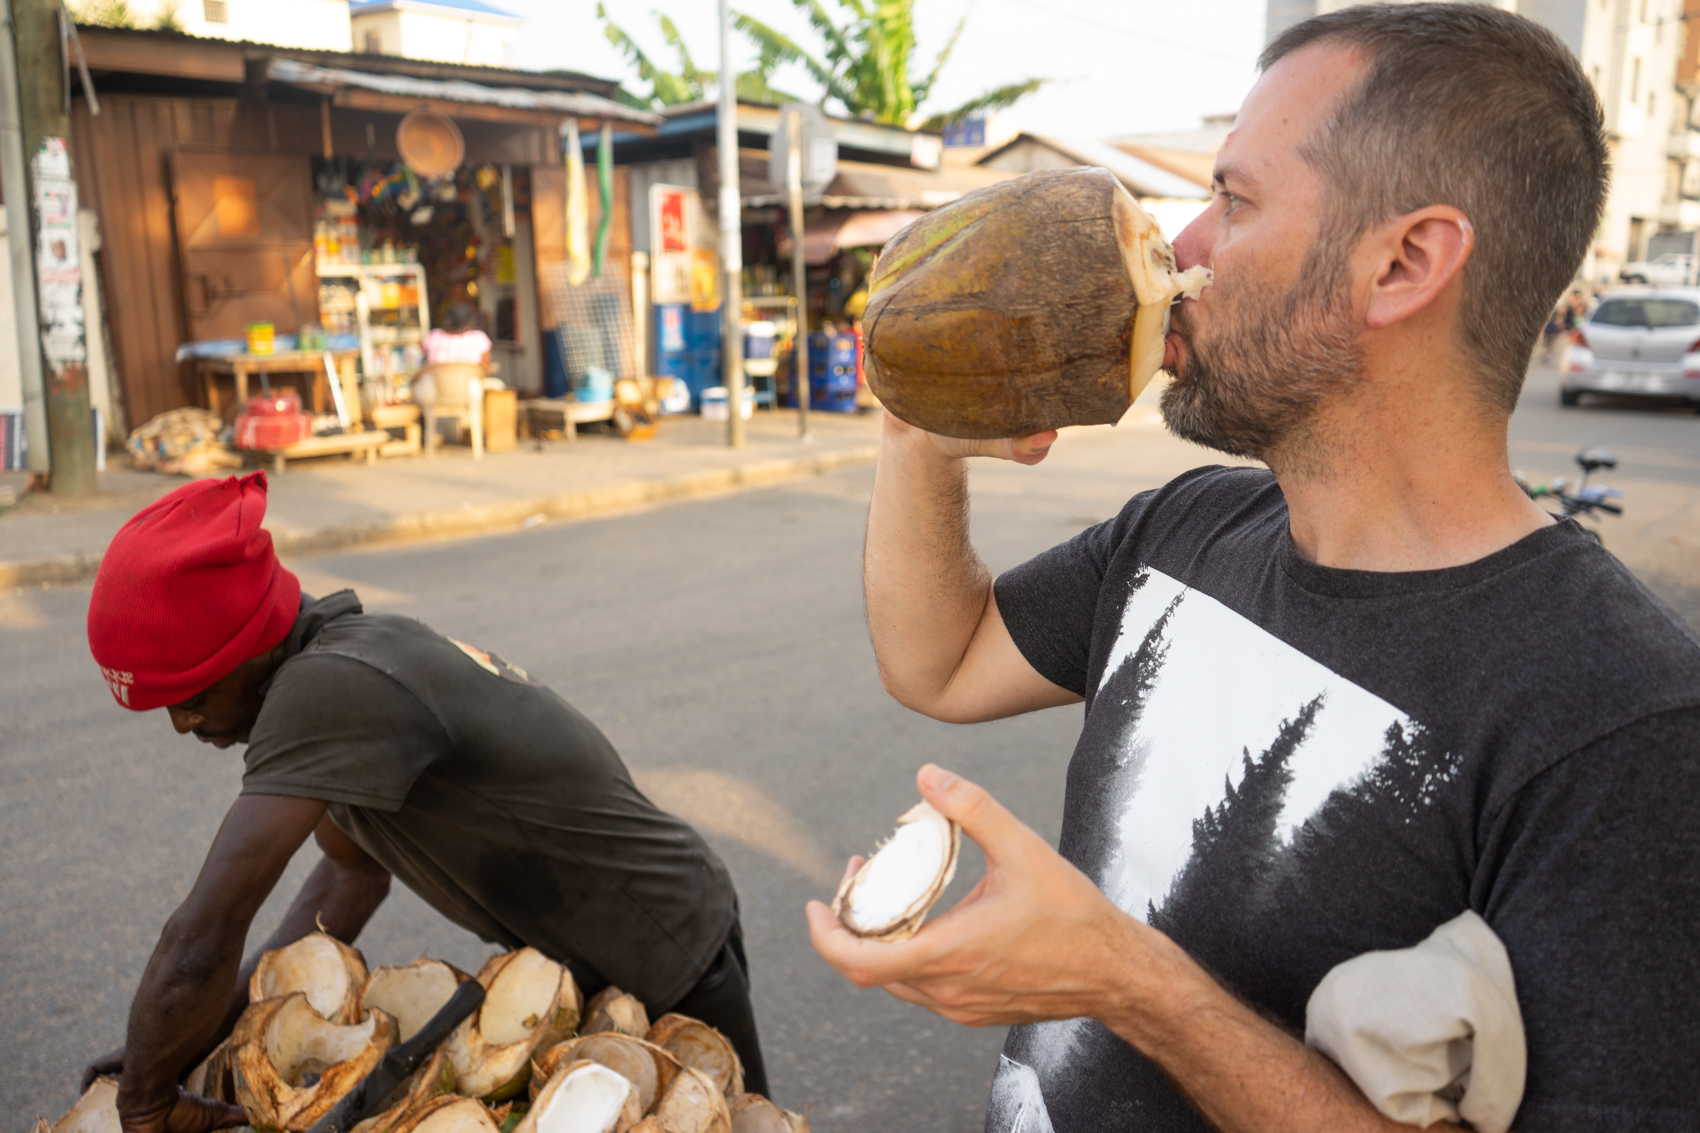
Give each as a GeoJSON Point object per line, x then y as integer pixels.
{"type": "Point", "coordinates": [1631, 51]}
{"type": "Point", "coordinates": [448, 31]}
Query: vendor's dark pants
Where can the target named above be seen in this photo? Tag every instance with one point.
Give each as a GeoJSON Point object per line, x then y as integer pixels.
{"type": "Point", "coordinates": [722, 1000]}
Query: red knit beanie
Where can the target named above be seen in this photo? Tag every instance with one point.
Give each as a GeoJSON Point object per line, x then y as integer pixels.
{"type": "Point", "coordinates": [188, 590]}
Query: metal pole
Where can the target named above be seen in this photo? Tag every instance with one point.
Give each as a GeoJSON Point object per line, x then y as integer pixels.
{"type": "Point", "coordinates": [731, 236]}
{"type": "Point", "coordinates": [20, 248]}
{"type": "Point", "coordinates": [800, 351]}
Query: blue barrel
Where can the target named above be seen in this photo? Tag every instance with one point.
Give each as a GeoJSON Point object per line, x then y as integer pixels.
{"type": "Point", "coordinates": [832, 372]}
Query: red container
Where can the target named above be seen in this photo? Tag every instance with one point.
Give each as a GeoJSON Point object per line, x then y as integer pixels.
{"type": "Point", "coordinates": [272, 431]}
{"type": "Point", "coordinates": [283, 405]}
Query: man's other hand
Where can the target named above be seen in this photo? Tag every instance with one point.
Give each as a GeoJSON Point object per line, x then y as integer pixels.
{"type": "Point", "coordinates": [185, 1114]}
{"type": "Point", "coordinates": [111, 1064]}
{"type": "Point", "coordinates": [1022, 450]}
{"type": "Point", "coordinates": [1035, 940]}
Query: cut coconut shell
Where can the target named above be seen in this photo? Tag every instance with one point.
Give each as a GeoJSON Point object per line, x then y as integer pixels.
{"type": "Point", "coordinates": [692, 1104]}
{"type": "Point", "coordinates": [569, 1012]}
{"type": "Point", "coordinates": [292, 1065]}
{"type": "Point", "coordinates": [410, 993]}
{"type": "Point", "coordinates": [431, 1081]}
{"type": "Point", "coordinates": [649, 1068]}
{"type": "Point", "coordinates": [889, 897]}
{"type": "Point", "coordinates": [702, 1048]}
{"type": "Point", "coordinates": [95, 1112]}
{"type": "Point", "coordinates": [449, 1115]}
{"type": "Point", "coordinates": [752, 1113]}
{"type": "Point", "coordinates": [491, 1050]}
{"type": "Point", "coordinates": [614, 1010]}
{"type": "Point", "coordinates": [583, 1097]}
{"type": "Point", "coordinates": [1032, 304]}
{"type": "Point", "coordinates": [329, 972]}
{"type": "Point", "coordinates": [214, 1078]}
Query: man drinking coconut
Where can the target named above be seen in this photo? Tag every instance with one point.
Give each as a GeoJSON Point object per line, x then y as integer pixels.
{"type": "Point", "coordinates": [405, 754]}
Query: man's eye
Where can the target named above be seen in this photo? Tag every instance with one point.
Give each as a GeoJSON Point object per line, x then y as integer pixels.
{"type": "Point", "coordinates": [1233, 200]}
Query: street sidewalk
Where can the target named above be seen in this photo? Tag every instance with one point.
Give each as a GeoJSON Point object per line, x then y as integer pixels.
{"type": "Point", "coordinates": [332, 503]}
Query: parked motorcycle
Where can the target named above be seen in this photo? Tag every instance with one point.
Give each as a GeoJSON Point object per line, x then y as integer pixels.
{"type": "Point", "coordinates": [1584, 499]}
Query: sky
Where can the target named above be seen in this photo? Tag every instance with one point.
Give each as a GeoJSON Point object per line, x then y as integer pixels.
{"type": "Point", "coordinates": [1116, 68]}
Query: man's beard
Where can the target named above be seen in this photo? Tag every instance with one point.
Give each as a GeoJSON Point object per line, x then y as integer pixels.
{"type": "Point", "coordinates": [1251, 384]}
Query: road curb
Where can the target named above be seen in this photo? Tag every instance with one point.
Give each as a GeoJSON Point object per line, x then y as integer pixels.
{"type": "Point", "coordinates": [584, 504]}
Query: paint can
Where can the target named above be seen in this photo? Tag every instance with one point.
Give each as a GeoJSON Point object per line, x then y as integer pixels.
{"type": "Point", "coordinates": [260, 337]}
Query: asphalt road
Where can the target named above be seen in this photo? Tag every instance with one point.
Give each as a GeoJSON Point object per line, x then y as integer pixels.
{"type": "Point", "coordinates": [721, 645]}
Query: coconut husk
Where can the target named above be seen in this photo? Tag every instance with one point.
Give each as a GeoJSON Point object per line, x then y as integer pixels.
{"type": "Point", "coordinates": [649, 1068]}
{"type": "Point", "coordinates": [330, 973]}
{"type": "Point", "coordinates": [904, 911]}
{"type": "Point", "coordinates": [614, 1010]}
{"type": "Point", "coordinates": [1028, 305]}
{"type": "Point", "coordinates": [431, 1081]}
{"type": "Point", "coordinates": [292, 1065]}
{"type": "Point", "coordinates": [214, 1078]}
{"type": "Point", "coordinates": [752, 1113]}
{"type": "Point", "coordinates": [569, 1012]}
{"type": "Point", "coordinates": [702, 1048]}
{"type": "Point", "coordinates": [692, 1104]}
{"type": "Point", "coordinates": [410, 993]}
{"type": "Point", "coordinates": [584, 1097]}
{"type": "Point", "coordinates": [491, 1049]}
{"type": "Point", "coordinates": [449, 1114]}
{"type": "Point", "coordinates": [95, 1112]}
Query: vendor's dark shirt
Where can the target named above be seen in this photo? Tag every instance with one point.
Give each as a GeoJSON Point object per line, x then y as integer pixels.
{"type": "Point", "coordinates": [491, 797]}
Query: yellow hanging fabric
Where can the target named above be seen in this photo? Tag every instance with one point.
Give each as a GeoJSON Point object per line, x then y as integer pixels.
{"type": "Point", "coordinates": [578, 209]}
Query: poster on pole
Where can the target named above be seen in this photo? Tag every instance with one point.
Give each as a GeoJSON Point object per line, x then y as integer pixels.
{"type": "Point", "coordinates": [685, 248]}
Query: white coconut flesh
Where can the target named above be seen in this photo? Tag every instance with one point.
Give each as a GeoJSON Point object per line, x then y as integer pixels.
{"type": "Point", "coordinates": [1151, 268]}
{"type": "Point", "coordinates": [519, 998]}
{"type": "Point", "coordinates": [626, 1056]}
{"type": "Point", "coordinates": [301, 1045]}
{"type": "Point", "coordinates": [315, 965]}
{"type": "Point", "coordinates": [95, 1112]}
{"type": "Point", "coordinates": [904, 877]}
{"type": "Point", "coordinates": [589, 1099]}
{"type": "Point", "coordinates": [411, 994]}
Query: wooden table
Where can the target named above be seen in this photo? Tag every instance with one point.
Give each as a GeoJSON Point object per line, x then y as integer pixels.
{"type": "Point", "coordinates": [240, 366]}
{"type": "Point", "coordinates": [572, 412]}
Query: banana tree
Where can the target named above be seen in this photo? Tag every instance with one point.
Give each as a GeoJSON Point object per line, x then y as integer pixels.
{"type": "Point", "coordinates": [688, 82]}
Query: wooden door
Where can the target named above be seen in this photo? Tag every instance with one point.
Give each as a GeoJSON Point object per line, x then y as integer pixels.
{"type": "Point", "coordinates": [244, 240]}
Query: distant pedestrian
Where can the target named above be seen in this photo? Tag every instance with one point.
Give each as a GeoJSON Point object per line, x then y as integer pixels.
{"type": "Point", "coordinates": [1551, 332]}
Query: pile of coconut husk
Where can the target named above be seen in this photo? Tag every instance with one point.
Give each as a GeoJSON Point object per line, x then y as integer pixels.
{"type": "Point", "coordinates": [185, 441]}
{"type": "Point", "coordinates": [533, 1058]}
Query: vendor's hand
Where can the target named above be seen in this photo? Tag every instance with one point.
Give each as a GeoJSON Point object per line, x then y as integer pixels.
{"type": "Point", "coordinates": [109, 1064]}
{"type": "Point", "coordinates": [1035, 940]}
{"type": "Point", "coordinates": [1022, 450]}
{"type": "Point", "coordinates": [185, 1113]}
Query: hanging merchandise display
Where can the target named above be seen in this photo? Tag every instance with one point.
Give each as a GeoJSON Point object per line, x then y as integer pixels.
{"type": "Point", "coordinates": [578, 207]}
{"type": "Point", "coordinates": [604, 183]}
{"type": "Point", "coordinates": [430, 143]}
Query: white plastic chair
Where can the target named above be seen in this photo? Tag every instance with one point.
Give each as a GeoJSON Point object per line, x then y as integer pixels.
{"type": "Point", "coordinates": [453, 389]}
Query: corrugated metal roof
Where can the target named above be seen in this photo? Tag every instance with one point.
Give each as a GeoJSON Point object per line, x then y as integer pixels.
{"type": "Point", "coordinates": [862, 185]}
{"type": "Point", "coordinates": [566, 103]}
{"type": "Point", "coordinates": [1141, 177]}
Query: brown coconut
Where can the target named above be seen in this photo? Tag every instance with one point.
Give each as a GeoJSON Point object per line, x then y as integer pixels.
{"type": "Point", "coordinates": [752, 1113]}
{"type": "Point", "coordinates": [292, 1065]}
{"type": "Point", "coordinates": [1028, 305]}
{"type": "Point", "coordinates": [693, 1104]}
{"type": "Point", "coordinates": [491, 1049]}
{"type": "Point", "coordinates": [583, 1097]}
{"type": "Point", "coordinates": [890, 896]}
{"type": "Point", "coordinates": [327, 970]}
{"type": "Point", "coordinates": [449, 1114]}
{"type": "Point", "coordinates": [410, 993]}
{"type": "Point", "coordinates": [645, 1065]}
{"type": "Point", "coordinates": [431, 1081]}
{"type": "Point", "coordinates": [614, 1010]}
{"type": "Point", "coordinates": [95, 1112]}
{"type": "Point", "coordinates": [702, 1048]}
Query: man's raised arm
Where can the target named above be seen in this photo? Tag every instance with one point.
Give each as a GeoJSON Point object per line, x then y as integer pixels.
{"type": "Point", "coordinates": [942, 646]}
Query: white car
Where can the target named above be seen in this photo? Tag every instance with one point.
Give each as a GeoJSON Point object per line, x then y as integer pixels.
{"type": "Point", "coordinates": [1673, 270]}
{"type": "Point", "coordinates": [1641, 341]}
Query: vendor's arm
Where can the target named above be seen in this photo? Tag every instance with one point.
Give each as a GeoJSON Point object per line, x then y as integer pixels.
{"type": "Point", "coordinates": [942, 646]}
{"type": "Point", "coordinates": [195, 985]}
{"type": "Point", "coordinates": [1036, 940]}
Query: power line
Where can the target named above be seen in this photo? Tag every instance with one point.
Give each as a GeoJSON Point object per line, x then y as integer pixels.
{"type": "Point", "coordinates": [1101, 25]}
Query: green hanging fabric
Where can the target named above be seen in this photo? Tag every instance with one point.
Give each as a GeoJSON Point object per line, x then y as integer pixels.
{"type": "Point", "coordinates": [605, 180]}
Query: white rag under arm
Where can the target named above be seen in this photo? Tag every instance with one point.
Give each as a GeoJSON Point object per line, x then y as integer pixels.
{"type": "Point", "coordinates": [1428, 1033]}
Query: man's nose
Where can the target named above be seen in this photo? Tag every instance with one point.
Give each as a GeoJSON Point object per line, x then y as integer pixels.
{"type": "Point", "coordinates": [185, 721]}
{"type": "Point", "coordinates": [1192, 246]}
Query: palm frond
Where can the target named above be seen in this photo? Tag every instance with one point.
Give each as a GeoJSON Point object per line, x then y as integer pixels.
{"type": "Point", "coordinates": [687, 66]}
{"type": "Point", "coordinates": [995, 99]}
{"type": "Point", "coordinates": [781, 49]}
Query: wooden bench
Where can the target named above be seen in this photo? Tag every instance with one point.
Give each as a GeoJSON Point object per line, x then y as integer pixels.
{"type": "Point", "coordinates": [571, 412]}
{"type": "Point", "coordinates": [367, 442]}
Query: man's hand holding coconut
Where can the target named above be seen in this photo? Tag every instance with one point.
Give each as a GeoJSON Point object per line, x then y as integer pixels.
{"type": "Point", "coordinates": [405, 754]}
{"type": "Point", "coordinates": [1310, 733]}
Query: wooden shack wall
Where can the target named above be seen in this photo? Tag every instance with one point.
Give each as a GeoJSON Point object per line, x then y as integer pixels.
{"type": "Point", "coordinates": [549, 225]}
{"type": "Point", "coordinates": [121, 159]}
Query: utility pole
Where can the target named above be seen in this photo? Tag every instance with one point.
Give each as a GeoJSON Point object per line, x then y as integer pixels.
{"type": "Point", "coordinates": [793, 123]}
{"type": "Point", "coordinates": [731, 236]}
{"type": "Point", "coordinates": [44, 102]}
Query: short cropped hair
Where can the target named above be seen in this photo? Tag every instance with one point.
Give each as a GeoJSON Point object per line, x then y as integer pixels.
{"type": "Point", "coordinates": [1477, 108]}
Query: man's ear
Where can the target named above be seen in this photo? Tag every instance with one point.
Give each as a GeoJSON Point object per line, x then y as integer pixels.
{"type": "Point", "coordinates": [1419, 255]}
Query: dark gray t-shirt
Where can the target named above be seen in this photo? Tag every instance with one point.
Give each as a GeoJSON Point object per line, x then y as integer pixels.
{"type": "Point", "coordinates": [1284, 766]}
{"type": "Point", "coordinates": [491, 797]}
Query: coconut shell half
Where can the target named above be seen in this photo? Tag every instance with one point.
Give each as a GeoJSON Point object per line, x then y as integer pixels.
{"type": "Point", "coordinates": [702, 1048]}
{"type": "Point", "coordinates": [752, 1113]}
{"type": "Point", "coordinates": [95, 1112]}
{"type": "Point", "coordinates": [410, 993]}
{"type": "Point", "coordinates": [890, 896]}
{"type": "Point", "coordinates": [214, 1078]}
{"type": "Point", "coordinates": [583, 1097]}
{"type": "Point", "coordinates": [692, 1104]}
{"type": "Point", "coordinates": [491, 1049]}
{"type": "Point", "coordinates": [329, 972]}
{"type": "Point", "coordinates": [614, 1010]}
{"type": "Point", "coordinates": [292, 1065]}
{"type": "Point", "coordinates": [1028, 305]}
{"type": "Point", "coordinates": [431, 1081]}
{"type": "Point", "coordinates": [449, 1114]}
{"type": "Point", "coordinates": [649, 1068]}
